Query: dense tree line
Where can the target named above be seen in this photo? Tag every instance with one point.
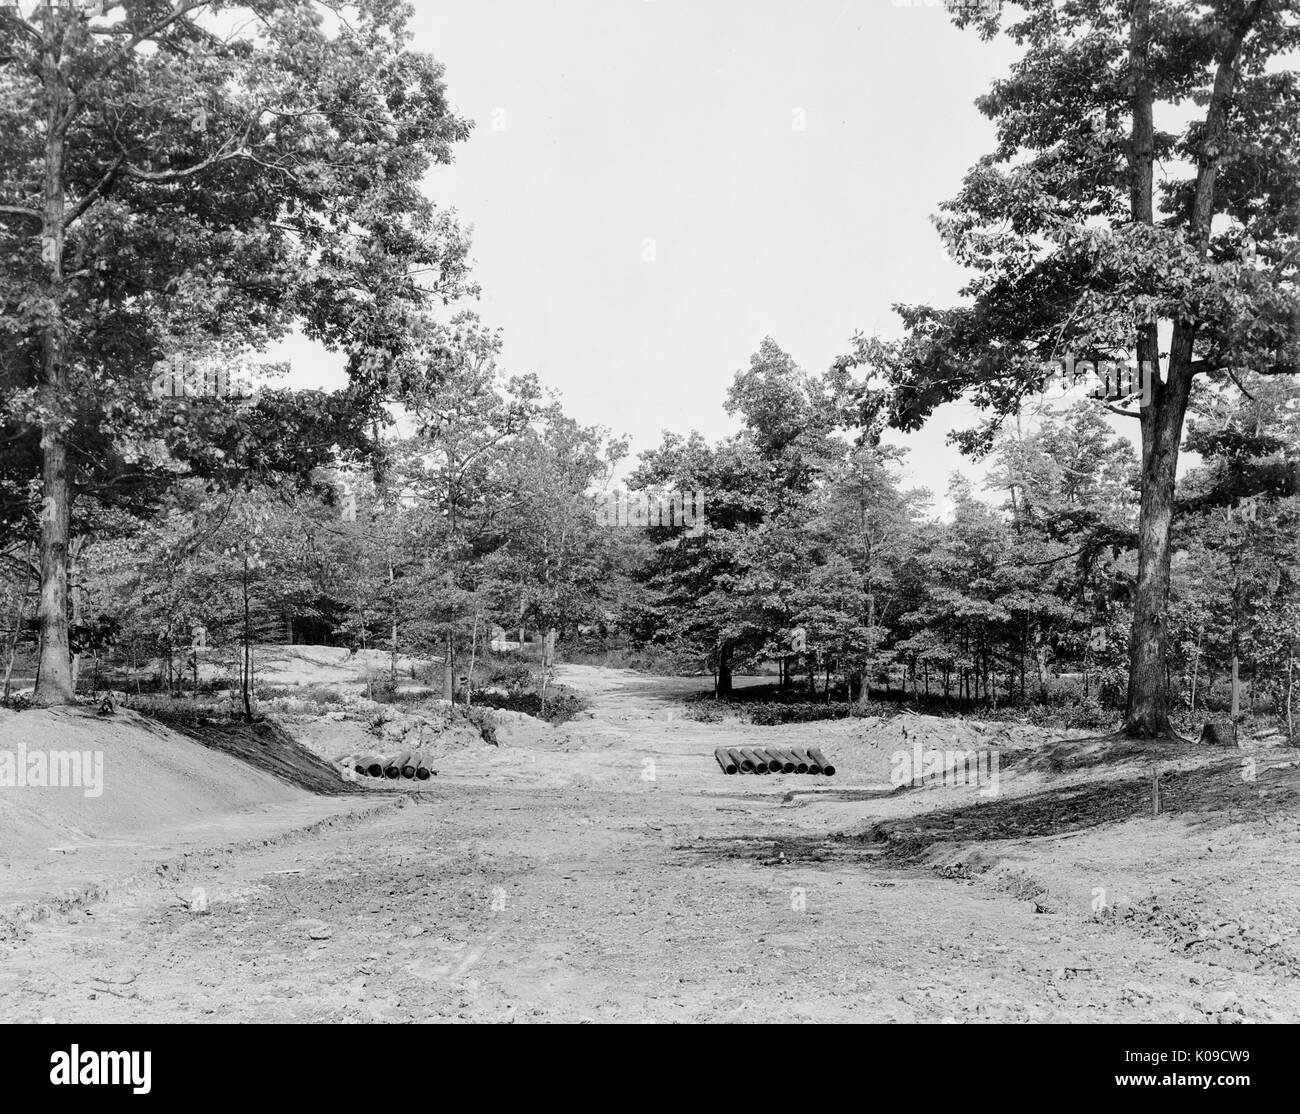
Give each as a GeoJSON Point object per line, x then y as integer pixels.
{"type": "Point", "coordinates": [817, 559]}
{"type": "Point", "coordinates": [172, 190]}
{"type": "Point", "coordinates": [480, 511]}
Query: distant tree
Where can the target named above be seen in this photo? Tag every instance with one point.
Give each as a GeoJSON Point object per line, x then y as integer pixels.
{"type": "Point", "coordinates": [1071, 487]}
{"type": "Point", "coordinates": [467, 412]}
{"type": "Point", "coordinates": [559, 565]}
{"type": "Point", "coordinates": [1237, 593]}
{"type": "Point", "coordinates": [868, 524]}
{"type": "Point", "coordinates": [717, 593]}
{"type": "Point", "coordinates": [692, 605]}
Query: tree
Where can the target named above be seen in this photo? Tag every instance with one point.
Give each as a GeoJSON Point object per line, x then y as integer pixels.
{"type": "Point", "coordinates": [1072, 493]}
{"type": "Point", "coordinates": [718, 592]}
{"type": "Point", "coordinates": [692, 604]}
{"type": "Point", "coordinates": [467, 412]}
{"type": "Point", "coordinates": [558, 565]}
{"type": "Point", "coordinates": [1080, 255]}
{"type": "Point", "coordinates": [869, 524]}
{"type": "Point", "coordinates": [201, 176]}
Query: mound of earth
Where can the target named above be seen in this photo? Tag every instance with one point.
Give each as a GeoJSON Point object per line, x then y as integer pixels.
{"type": "Point", "coordinates": [331, 737]}
{"type": "Point", "coordinates": [875, 750]}
{"type": "Point", "coordinates": [435, 729]}
{"type": "Point", "coordinates": [430, 728]}
{"type": "Point", "coordinates": [1212, 788]}
{"type": "Point", "coordinates": [517, 729]}
{"type": "Point", "coordinates": [151, 778]}
{"type": "Point", "coordinates": [267, 746]}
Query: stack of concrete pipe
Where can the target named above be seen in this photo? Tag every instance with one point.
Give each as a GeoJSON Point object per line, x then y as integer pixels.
{"type": "Point", "coordinates": [410, 765]}
{"type": "Point", "coordinates": [773, 760]}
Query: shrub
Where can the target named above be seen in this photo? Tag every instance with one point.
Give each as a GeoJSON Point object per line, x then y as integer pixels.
{"type": "Point", "coordinates": [511, 675]}
{"type": "Point", "coordinates": [561, 704]}
{"type": "Point", "coordinates": [771, 713]}
{"type": "Point", "coordinates": [482, 719]}
{"type": "Point", "coordinates": [701, 712]}
{"type": "Point", "coordinates": [1089, 714]}
{"type": "Point", "coordinates": [187, 713]}
{"type": "Point", "coordinates": [316, 694]}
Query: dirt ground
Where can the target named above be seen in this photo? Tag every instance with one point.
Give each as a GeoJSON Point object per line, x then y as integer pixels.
{"type": "Point", "coordinates": [608, 870]}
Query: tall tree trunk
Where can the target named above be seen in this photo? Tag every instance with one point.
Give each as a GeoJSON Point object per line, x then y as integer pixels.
{"type": "Point", "coordinates": [1236, 646]}
{"type": "Point", "coordinates": [864, 697]}
{"type": "Point", "coordinates": [724, 670]}
{"type": "Point", "coordinates": [1040, 663]}
{"type": "Point", "coordinates": [74, 592]}
{"type": "Point", "coordinates": [248, 648]}
{"type": "Point", "coordinates": [1196, 669]}
{"type": "Point", "coordinates": [1147, 712]}
{"type": "Point", "coordinates": [54, 683]}
{"type": "Point", "coordinates": [392, 605]}
{"type": "Point", "coordinates": [1236, 692]}
{"type": "Point", "coordinates": [1024, 644]}
{"type": "Point", "coordinates": [449, 667]}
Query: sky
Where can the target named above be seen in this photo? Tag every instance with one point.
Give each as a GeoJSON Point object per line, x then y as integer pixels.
{"type": "Point", "coordinates": [656, 185]}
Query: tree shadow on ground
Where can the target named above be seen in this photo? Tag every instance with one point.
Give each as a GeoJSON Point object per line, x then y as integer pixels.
{"type": "Point", "coordinates": [1228, 791]}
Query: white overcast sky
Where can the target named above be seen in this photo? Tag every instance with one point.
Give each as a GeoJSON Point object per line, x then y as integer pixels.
{"type": "Point", "coordinates": [784, 156]}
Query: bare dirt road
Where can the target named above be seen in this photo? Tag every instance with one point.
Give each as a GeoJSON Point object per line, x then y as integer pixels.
{"type": "Point", "coordinates": [615, 874]}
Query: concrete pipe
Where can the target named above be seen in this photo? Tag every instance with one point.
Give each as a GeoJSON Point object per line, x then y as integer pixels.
{"type": "Point", "coordinates": [820, 759]}
{"type": "Point", "coordinates": [780, 760]}
{"type": "Point", "coordinates": [800, 760]}
{"type": "Point", "coordinates": [814, 767]}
